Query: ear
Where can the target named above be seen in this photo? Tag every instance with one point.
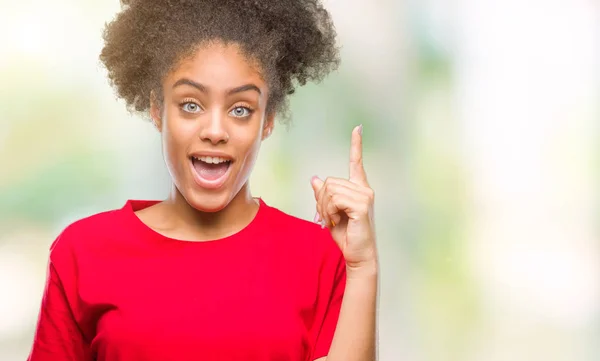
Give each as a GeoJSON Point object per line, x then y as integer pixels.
{"type": "Point", "coordinates": [155, 111]}
{"type": "Point", "coordinates": [268, 126]}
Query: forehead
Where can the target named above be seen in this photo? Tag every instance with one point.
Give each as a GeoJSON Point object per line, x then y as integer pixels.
{"type": "Point", "coordinates": [218, 65]}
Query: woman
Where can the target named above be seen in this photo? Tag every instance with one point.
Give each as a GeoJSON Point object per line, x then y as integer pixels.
{"type": "Point", "coordinates": [212, 273]}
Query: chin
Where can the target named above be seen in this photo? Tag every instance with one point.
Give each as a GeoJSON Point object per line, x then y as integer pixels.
{"type": "Point", "coordinates": [207, 201]}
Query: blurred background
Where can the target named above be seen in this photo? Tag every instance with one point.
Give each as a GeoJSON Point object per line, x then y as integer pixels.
{"type": "Point", "coordinates": [481, 125]}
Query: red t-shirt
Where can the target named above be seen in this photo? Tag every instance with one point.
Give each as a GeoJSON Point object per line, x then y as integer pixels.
{"type": "Point", "coordinates": [117, 290]}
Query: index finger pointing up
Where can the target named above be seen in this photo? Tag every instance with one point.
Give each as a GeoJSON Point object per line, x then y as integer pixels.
{"type": "Point", "coordinates": [357, 171]}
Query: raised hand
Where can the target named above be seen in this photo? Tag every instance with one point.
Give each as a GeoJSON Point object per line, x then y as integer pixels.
{"type": "Point", "coordinates": [345, 206]}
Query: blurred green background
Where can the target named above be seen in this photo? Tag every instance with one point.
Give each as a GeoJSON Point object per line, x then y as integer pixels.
{"type": "Point", "coordinates": [481, 142]}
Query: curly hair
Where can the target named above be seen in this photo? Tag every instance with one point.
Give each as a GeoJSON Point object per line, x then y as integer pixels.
{"type": "Point", "coordinates": [293, 42]}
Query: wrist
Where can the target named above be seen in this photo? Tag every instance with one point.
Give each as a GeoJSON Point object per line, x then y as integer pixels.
{"type": "Point", "coordinates": [363, 270]}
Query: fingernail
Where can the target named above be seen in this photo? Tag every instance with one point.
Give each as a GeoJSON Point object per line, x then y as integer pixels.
{"type": "Point", "coordinates": [360, 128]}
{"type": "Point", "coordinates": [316, 219]}
{"type": "Point", "coordinates": [322, 223]}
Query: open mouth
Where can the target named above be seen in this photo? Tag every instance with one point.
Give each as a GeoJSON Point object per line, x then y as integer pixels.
{"type": "Point", "coordinates": [211, 168]}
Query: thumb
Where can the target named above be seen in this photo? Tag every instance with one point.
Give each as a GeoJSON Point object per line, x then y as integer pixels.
{"type": "Point", "coordinates": [316, 184]}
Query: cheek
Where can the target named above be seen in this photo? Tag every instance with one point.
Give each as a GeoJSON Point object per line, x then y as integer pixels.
{"type": "Point", "coordinates": [176, 136]}
{"type": "Point", "coordinates": [248, 141]}
{"type": "Point", "coordinates": [252, 147]}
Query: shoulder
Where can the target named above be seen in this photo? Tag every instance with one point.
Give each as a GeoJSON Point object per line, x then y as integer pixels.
{"type": "Point", "coordinates": [84, 233]}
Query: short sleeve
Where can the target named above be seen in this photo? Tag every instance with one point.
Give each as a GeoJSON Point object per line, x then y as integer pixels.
{"type": "Point", "coordinates": [57, 335]}
{"type": "Point", "coordinates": [332, 284]}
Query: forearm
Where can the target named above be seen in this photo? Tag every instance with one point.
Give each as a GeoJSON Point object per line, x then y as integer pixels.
{"type": "Point", "coordinates": [355, 337]}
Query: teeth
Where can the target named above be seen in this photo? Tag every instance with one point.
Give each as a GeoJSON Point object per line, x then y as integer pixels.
{"type": "Point", "coordinates": [212, 160]}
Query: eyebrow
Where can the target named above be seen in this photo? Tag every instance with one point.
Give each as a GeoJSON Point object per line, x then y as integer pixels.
{"type": "Point", "coordinates": [204, 89]}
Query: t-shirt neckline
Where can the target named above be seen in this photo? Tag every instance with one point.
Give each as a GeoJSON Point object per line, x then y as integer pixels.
{"type": "Point", "coordinates": [133, 205]}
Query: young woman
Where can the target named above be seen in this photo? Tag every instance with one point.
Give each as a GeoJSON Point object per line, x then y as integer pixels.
{"type": "Point", "coordinates": [212, 273]}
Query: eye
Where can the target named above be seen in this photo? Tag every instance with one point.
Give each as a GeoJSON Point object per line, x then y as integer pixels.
{"type": "Point", "coordinates": [241, 112]}
{"type": "Point", "coordinates": [190, 107]}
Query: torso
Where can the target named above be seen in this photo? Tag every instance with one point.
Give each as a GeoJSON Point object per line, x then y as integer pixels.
{"type": "Point", "coordinates": [250, 296]}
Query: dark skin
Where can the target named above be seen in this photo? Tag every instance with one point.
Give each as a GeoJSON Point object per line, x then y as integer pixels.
{"type": "Point", "coordinates": [213, 101]}
{"type": "Point", "coordinates": [216, 101]}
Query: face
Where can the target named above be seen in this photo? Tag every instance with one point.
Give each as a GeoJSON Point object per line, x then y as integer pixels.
{"type": "Point", "coordinates": [212, 120]}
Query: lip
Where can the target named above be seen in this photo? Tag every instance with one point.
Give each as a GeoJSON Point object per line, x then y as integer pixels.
{"type": "Point", "coordinates": [211, 154]}
{"type": "Point", "coordinates": [205, 183]}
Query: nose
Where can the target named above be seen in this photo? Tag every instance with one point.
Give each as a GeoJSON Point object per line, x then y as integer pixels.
{"type": "Point", "coordinates": [214, 129]}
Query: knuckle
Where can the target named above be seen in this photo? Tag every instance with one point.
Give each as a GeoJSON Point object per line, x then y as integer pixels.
{"type": "Point", "coordinates": [331, 187]}
{"type": "Point", "coordinates": [364, 206]}
{"type": "Point", "coordinates": [327, 184]}
{"type": "Point", "coordinates": [335, 198]}
{"type": "Point", "coordinates": [365, 209]}
{"type": "Point", "coordinates": [370, 194]}
{"type": "Point", "coordinates": [333, 181]}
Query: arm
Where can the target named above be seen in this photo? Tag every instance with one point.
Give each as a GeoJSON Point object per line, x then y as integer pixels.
{"type": "Point", "coordinates": [57, 335]}
{"type": "Point", "coordinates": [355, 334]}
{"type": "Point", "coordinates": [346, 208]}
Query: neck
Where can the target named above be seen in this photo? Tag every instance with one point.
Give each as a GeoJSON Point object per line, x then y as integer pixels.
{"type": "Point", "coordinates": [213, 225]}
